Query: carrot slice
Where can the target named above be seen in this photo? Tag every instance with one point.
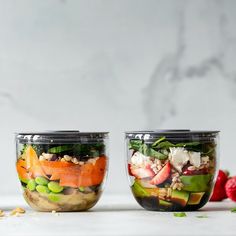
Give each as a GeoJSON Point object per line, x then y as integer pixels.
{"type": "Point", "coordinates": [88, 175]}
{"type": "Point", "coordinates": [23, 174]}
{"type": "Point", "coordinates": [33, 163]}
{"type": "Point", "coordinates": [70, 174]}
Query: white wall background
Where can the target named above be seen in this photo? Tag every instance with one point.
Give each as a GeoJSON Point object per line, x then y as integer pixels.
{"type": "Point", "coordinates": [115, 66]}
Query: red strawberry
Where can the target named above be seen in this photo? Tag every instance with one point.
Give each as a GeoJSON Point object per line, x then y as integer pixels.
{"type": "Point", "coordinates": [129, 169]}
{"type": "Point", "coordinates": [230, 188]}
{"type": "Point", "coordinates": [162, 175]}
{"type": "Point", "coordinates": [142, 172]}
{"type": "Point", "coordinates": [219, 189]}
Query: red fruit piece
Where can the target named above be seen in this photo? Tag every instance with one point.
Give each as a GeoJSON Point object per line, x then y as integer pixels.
{"type": "Point", "coordinates": [219, 189]}
{"type": "Point", "coordinates": [186, 171]}
{"type": "Point", "coordinates": [230, 188]}
{"type": "Point", "coordinates": [142, 172]}
{"type": "Point", "coordinates": [129, 169]}
{"type": "Point", "coordinates": [162, 175]}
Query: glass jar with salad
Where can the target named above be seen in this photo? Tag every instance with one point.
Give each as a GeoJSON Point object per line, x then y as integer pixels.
{"type": "Point", "coordinates": [172, 170]}
{"type": "Point", "coordinates": [62, 170]}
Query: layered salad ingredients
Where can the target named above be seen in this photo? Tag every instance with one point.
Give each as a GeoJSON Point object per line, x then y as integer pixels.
{"type": "Point", "coordinates": [62, 177]}
{"type": "Point", "coordinates": [171, 175]}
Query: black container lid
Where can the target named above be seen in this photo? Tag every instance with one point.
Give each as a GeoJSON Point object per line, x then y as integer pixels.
{"type": "Point", "coordinates": [60, 136]}
{"type": "Point", "coordinates": [177, 134]}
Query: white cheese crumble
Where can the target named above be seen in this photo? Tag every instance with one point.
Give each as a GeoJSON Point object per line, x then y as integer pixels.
{"type": "Point", "coordinates": [180, 156]}
{"type": "Point", "coordinates": [195, 159]}
{"type": "Point", "coordinates": [140, 160]}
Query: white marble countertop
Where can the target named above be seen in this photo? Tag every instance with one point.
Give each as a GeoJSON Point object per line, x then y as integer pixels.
{"type": "Point", "coordinates": [117, 215]}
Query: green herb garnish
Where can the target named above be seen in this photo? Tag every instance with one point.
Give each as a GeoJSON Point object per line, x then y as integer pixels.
{"type": "Point", "coordinates": [202, 216]}
{"type": "Point", "coordinates": [179, 214]}
{"type": "Point", "coordinates": [233, 210]}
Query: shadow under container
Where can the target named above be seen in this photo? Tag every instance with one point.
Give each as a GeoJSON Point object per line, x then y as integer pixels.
{"type": "Point", "coordinates": [172, 170]}
{"type": "Point", "coordinates": [62, 170]}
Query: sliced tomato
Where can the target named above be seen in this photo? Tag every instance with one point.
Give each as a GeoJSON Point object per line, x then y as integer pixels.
{"type": "Point", "coordinates": [162, 175]}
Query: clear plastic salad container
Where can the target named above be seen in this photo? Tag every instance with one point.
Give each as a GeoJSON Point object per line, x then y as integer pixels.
{"type": "Point", "coordinates": [172, 170]}
{"type": "Point", "coordinates": [62, 170]}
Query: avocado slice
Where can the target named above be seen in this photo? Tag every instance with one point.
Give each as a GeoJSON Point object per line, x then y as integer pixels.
{"type": "Point", "coordinates": [195, 198]}
{"type": "Point", "coordinates": [196, 183]}
{"type": "Point", "coordinates": [164, 203]}
{"type": "Point", "coordinates": [180, 197]}
{"type": "Point", "coordinates": [139, 191]}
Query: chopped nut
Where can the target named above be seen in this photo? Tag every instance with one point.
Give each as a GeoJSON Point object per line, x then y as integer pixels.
{"type": "Point", "coordinates": [153, 166]}
{"type": "Point", "coordinates": [159, 167]}
{"type": "Point", "coordinates": [75, 161]}
{"type": "Point", "coordinates": [176, 174]}
{"type": "Point", "coordinates": [175, 179]}
{"type": "Point", "coordinates": [55, 213]}
{"type": "Point", "coordinates": [67, 157]}
{"type": "Point", "coordinates": [2, 213]}
{"type": "Point", "coordinates": [169, 192]}
{"type": "Point", "coordinates": [63, 159]}
{"type": "Point", "coordinates": [93, 160]}
{"type": "Point", "coordinates": [47, 156]}
{"type": "Point", "coordinates": [42, 158]}
{"type": "Point", "coordinates": [175, 186]}
{"type": "Point", "coordinates": [81, 163]}
{"type": "Point", "coordinates": [17, 211]}
{"type": "Point", "coordinates": [158, 162]}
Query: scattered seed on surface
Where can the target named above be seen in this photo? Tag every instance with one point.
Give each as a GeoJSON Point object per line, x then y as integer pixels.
{"type": "Point", "coordinates": [2, 213]}
{"type": "Point", "coordinates": [17, 211]}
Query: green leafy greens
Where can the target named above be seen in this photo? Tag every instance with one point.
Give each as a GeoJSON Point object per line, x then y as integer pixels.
{"type": "Point", "coordinates": [158, 147]}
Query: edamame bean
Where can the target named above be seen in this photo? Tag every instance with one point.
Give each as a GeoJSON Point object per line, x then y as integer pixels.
{"type": "Point", "coordinates": [42, 189]}
{"type": "Point", "coordinates": [81, 189]}
{"type": "Point", "coordinates": [41, 180]}
{"type": "Point", "coordinates": [31, 185]}
{"type": "Point", "coordinates": [55, 187]}
{"type": "Point", "coordinates": [54, 197]}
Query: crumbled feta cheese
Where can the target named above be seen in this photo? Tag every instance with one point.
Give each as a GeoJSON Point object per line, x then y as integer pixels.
{"type": "Point", "coordinates": [195, 159]}
{"type": "Point", "coordinates": [178, 157]}
{"type": "Point", "coordinates": [140, 160]}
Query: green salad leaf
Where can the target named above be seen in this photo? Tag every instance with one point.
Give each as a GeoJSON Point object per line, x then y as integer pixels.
{"type": "Point", "coordinates": [60, 149]}
{"type": "Point", "coordinates": [158, 148]}
{"type": "Point", "coordinates": [146, 150]}
{"type": "Point", "coordinates": [158, 141]}
{"type": "Point", "coordinates": [196, 183]}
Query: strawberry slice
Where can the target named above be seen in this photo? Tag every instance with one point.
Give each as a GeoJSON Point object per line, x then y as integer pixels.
{"type": "Point", "coordinates": [162, 175]}
{"type": "Point", "coordinates": [142, 172]}
{"type": "Point", "coordinates": [129, 169]}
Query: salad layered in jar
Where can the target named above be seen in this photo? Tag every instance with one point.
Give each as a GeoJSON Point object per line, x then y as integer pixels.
{"type": "Point", "coordinates": [172, 170]}
{"type": "Point", "coordinates": [61, 171]}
